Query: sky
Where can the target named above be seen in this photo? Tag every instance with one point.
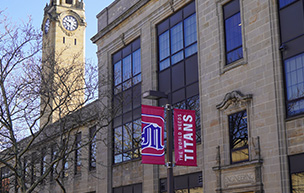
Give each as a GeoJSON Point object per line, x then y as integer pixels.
{"type": "Point", "coordinates": [20, 10]}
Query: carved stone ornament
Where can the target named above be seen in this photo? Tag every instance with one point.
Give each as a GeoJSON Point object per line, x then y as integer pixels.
{"type": "Point", "coordinates": [237, 179]}
{"type": "Point", "coordinates": [233, 97]}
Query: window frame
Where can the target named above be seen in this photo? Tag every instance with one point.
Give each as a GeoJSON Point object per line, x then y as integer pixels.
{"type": "Point", "coordinates": [232, 150]}
{"type": "Point", "coordinates": [295, 166]}
{"type": "Point", "coordinates": [77, 155]}
{"type": "Point", "coordinates": [222, 62]}
{"type": "Point", "coordinates": [181, 85]}
{"type": "Point", "coordinates": [226, 18]}
{"type": "Point", "coordinates": [92, 148]}
{"type": "Point", "coordinates": [126, 87]}
{"type": "Point", "coordinates": [189, 179]}
{"type": "Point", "coordinates": [291, 48]}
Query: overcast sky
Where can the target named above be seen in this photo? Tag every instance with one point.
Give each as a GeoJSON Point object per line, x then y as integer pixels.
{"type": "Point", "coordinates": [20, 10]}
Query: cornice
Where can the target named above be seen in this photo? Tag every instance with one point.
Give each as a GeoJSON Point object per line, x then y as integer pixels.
{"type": "Point", "coordinates": [119, 20]}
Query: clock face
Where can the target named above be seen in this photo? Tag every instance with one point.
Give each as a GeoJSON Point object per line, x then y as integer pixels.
{"type": "Point", "coordinates": [70, 23]}
{"type": "Point", "coordinates": [47, 26]}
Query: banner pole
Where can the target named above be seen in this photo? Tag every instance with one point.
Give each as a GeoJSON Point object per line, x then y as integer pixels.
{"type": "Point", "coordinates": [169, 149]}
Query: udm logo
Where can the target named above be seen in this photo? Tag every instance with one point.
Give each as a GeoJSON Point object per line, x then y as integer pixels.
{"type": "Point", "coordinates": [152, 140]}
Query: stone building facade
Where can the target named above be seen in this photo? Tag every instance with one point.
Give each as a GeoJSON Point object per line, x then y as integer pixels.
{"type": "Point", "coordinates": [238, 63]}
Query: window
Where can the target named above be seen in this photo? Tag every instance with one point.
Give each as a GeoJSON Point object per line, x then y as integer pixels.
{"type": "Point", "coordinates": [65, 160]}
{"type": "Point", "coordinates": [135, 188]}
{"type": "Point", "coordinates": [233, 31]}
{"type": "Point", "coordinates": [69, 1]}
{"type": "Point", "coordinates": [297, 173]}
{"type": "Point", "coordinates": [238, 137]}
{"type": "Point", "coordinates": [294, 76]}
{"type": "Point", "coordinates": [34, 168]}
{"type": "Point", "coordinates": [177, 59]}
{"type": "Point", "coordinates": [77, 153]}
{"type": "Point", "coordinates": [92, 149]}
{"type": "Point", "coordinates": [127, 102]}
{"type": "Point", "coordinates": [292, 39]}
{"type": "Point", "coordinates": [190, 183]}
{"type": "Point", "coordinates": [5, 181]}
{"type": "Point", "coordinates": [53, 158]}
{"type": "Point", "coordinates": [43, 162]}
{"type": "Point", "coordinates": [177, 37]}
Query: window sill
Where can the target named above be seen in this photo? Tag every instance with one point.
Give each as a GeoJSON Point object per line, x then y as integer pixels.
{"type": "Point", "coordinates": [233, 65]}
{"type": "Point", "coordinates": [126, 162]}
{"type": "Point", "coordinates": [292, 118]}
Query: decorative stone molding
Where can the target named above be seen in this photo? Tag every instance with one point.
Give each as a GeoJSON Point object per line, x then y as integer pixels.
{"type": "Point", "coordinates": [239, 179]}
{"type": "Point", "coordinates": [233, 97]}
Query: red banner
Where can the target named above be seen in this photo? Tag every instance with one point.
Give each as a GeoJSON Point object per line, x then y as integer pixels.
{"type": "Point", "coordinates": [184, 137]}
{"type": "Point", "coordinates": [152, 144]}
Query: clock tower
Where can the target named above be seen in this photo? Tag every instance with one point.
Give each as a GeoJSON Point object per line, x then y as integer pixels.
{"type": "Point", "coordinates": [63, 58]}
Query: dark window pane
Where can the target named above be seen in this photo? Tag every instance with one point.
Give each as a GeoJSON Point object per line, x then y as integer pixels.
{"type": "Point", "coordinates": [118, 190]}
{"type": "Point", "coordinates": [283, 3]}
{"type": "Point", "coordinates": [137, 96]}
{"type": "Point", "coordinates": [294, 47]}
{"type": "Point", "coordinates": [231, 8]}
{"type": "Point", "coordinates": [189, 9]}
{"type": "Point", "coordinates": [126, 51]}
{"type": "Point", "coordinates": [192, 90]}
{"type": "Point", "coordinates": [127, 117]}
{"type": "Point", "coordinates": [178, 96]}
{"type": "Point", "coordinates": [191, 70]}
{"type": "Point", "coordinates": [292, 21]}
{"type": "Point", "coordinates": [127, 189]}
{"type": "Point", "coordinates": [164, 26]}
{"type": "Point", "coordinates": [176, 18]}
{"type": "Point", "coordinates": [195, 180]}
{"type": "Point", "coordinates": [296, 163]}
{"type": "Point", "coordinates": [136, 45]}
{"type": "Point", "coordinates": [137, 188]}
{"type": "Point", "coordinates": [117, 121]}
{"type": "Point", "coordinates": [127, 100]}
{"type": "Point", "coordinates": [178, 80]}
{"type": "Point", "coordinates": [165, 81]}
{"type": "Point", "coordinates": [116, 57]}
{"type": "Point", "coordinates": [181, 182]}
{"type": "Point", "coordinates": [136, 113]}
